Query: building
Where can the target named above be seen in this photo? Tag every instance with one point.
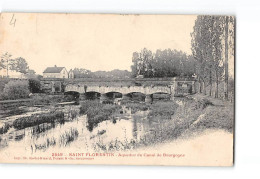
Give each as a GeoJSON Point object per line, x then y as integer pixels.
{"type": "Point", "coordinates": [55, 72]}
{"type": "Point", "coordinates": [71, 74]}
{"type": "Point", "coordinates": [11, 74]}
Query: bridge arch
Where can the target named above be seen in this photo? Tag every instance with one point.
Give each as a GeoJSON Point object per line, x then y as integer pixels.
{"type": "Point", "coordinates": [114, 94]}
{"type": "Point", "coordinates": [72, 95]}
{"type": "Point", "coordinates": [91, 95]}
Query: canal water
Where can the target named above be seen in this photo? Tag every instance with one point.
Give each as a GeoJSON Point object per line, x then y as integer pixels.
{"type": "Point", "coordinates": [122, 133]}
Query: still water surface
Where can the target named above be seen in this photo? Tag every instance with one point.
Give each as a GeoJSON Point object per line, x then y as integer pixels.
{"type": "Point", "coordinates": [110, 134]}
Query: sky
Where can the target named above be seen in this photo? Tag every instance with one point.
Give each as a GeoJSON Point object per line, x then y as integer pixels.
{"type": "Point", "coordinates": [91, 41]}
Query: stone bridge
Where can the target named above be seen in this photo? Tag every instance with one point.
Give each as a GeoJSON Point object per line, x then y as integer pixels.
{"type": "Point", "coordinates": [148, 91]}
{"type": "Point", "coordinates": [124, 88]}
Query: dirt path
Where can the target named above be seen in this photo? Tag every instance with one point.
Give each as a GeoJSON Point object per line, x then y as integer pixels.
{"type": "Point", "coordinates": [211, 148]}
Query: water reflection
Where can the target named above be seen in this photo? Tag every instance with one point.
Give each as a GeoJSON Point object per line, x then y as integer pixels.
{"type": "Point", "coordinates": [122, 132]}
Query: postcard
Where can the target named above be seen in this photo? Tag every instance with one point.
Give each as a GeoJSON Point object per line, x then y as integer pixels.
{"type": "Point", "coordinates": [117, 89]}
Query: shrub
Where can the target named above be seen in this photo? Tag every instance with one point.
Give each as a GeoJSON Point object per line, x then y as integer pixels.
{"type": "Point", "coordinates": [16, 89]}
{"type": "Point", "coordinates": [165, 109]}
{"type": "Point", "coordinates": [29, 121]}
{"type": "Point", "coordinates": [34, 85]}
{"type": "Point", "coordinates": [137, 107]}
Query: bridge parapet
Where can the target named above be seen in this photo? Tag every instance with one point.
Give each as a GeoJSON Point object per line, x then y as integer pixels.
{"type": "Point", "coordinates": [130, 89]}
{"type": "Point", "coordinates": [123, 89]}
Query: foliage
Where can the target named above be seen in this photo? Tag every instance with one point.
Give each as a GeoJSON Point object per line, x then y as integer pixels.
{"type": "Point", "coordinates": [43, 99]}
{"type": "Point", "coordinates": [36, 119]}
{"type": "Point", "coordinates": [208, 50]}
{"type": "Point", "coordinates": [34, 85]}
{"type": "Point", "coordinates": [20, 65]}
{"type": "Point", "coordinates": [16, 89]}
{"type": "Point", "coordinates": [4, 63]}
{"type": "Point", "coordinates": [218, 117]}
{"type": "Point", "coordinates": [136, 106]}
{"type": "Point", "coordinates": [163, 109]}
{"type": "Point", "coordinates": [162, 63]}
{"type": "Point", "coordinates": [84, 73]}
{"type": "Point", "coordinates": [81, 73]}
{"type": "Point", "coordinates": [49, 142]}
{"type": "Point", "coordinates": [97, 112]}
{"type": "Point", "coordinates": [202, 103]}
{"type": "Point", "coordinates": [4, 129]}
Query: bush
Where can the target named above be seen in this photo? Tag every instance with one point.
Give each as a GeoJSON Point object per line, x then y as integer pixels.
{"type": "Point", "coordinates": [29, 121]}
{"type": "Point", "coordinates": [136, 107]}
{"type": "Point", "coordinates": [16, 90]}
{"type": "Point", "coordinates": [164, 109]}
{"type": "Point", "coordinates": [34, 85]}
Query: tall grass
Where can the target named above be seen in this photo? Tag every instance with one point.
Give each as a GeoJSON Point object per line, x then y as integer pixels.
{"type": "Point", "coordinates": [49, 142]}
{"type": "Point", "coordinates": [68, 136]}
{"type": "Point", "coordinates": [42, 128]}
{"type": "Point", "coordinates": [218, 118]}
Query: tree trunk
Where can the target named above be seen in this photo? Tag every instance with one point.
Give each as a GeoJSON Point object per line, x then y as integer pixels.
{"type": "Point", "coordinates": [226, 58]}
{"type": "Point", "coordinates": [200, 85]}
{"type": "Point", "coordinates": [7, 66]}
{"type": "Point", "coordinates": [216, 92]}
{"type": "Point", "coordinates": [204, 88]}
{"type": "Point", "coordinates": [210, 83]}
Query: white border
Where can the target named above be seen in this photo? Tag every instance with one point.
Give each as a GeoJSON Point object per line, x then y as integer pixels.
{"type": "Point", "coordinates": [247, 153]}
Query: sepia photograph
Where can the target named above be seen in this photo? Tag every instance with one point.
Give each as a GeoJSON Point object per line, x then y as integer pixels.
{"type": "Point", "coordinates": [117, 89]}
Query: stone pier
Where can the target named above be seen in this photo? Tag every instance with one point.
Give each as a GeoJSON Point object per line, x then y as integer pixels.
{"type": "Point", "coordinates": [103, 97]}
{"type": "Point", "coordinates": [148, 98]}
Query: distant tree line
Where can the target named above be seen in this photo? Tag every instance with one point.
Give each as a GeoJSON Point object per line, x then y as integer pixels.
{"type": "Point", "coordinates": [162, 63]}
{"type": "Point", "coordinates": [84, 73]}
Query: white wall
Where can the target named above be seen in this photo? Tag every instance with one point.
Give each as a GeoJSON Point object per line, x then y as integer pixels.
{"type": "Point", "coordinates": [62, 74]}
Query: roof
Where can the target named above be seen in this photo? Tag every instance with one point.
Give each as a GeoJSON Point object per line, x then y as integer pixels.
{"type": "Point", "coordinates": [53, 69]}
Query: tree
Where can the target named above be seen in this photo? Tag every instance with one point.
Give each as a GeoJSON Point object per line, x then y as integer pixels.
{"type": "Point", "coordinates": [5, 60]}
{"type": "Point", "coordinates": [207, 49]}
{"type": "Point", "coordinates": [81, 73]}
{"type": "Point", "coordinates": [229, 23]}
{"type": "Point", "coordinates": [162, 63]}
{"type": "Point", "coordinates": [20, 65]}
